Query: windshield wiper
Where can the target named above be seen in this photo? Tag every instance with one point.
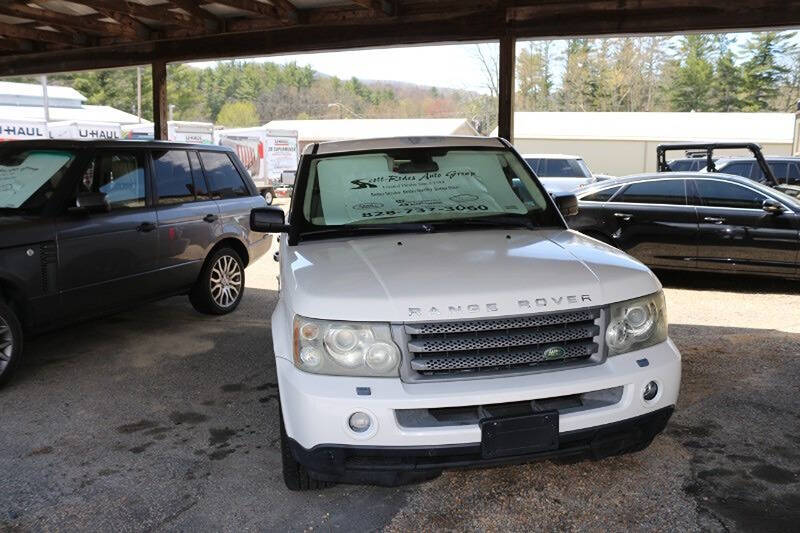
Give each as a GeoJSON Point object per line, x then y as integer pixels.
{"type": "Point", "coordinates": [493, 221]}
{"type": "Point", "coordinates": [404, 227]}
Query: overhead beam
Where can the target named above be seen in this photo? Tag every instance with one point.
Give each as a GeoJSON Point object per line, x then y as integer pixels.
{"type": "Point", "coordinates": [20, 31]}
{"type": "Point", "coordinates": [286, 10]}
{"type": "Point", "coordinates": [161, 12]}
{"type": "Point", "coordinates": [87, 24]}
{"type": "Point", "coordinates": [192, 7]}
{"type": "Point", "coordinates": [384, 7]}
{"type": "Point", "coordinates": [252, 6]}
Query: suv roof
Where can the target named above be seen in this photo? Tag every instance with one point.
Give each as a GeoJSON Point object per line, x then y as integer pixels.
{"type": "Point", "coordinates": [726, 159]}
{"type": "Point", "coordinates": [75, 144]}
{"type": "Point", "coordinates": [616, 182]}
{"type": "Point", "coordinates": [394, 143]}
{"type": "Point", "coordinates": [550, 156]}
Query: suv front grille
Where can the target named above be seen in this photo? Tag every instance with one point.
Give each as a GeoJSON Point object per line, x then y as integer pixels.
{"type": "Point", "coordinates": [533, 342]}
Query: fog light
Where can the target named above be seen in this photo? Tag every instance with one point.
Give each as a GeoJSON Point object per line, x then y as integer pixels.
{"type": "Point", "coordinates": [650, 391]}
{"type": "Point", "coordinates": [359, 422]}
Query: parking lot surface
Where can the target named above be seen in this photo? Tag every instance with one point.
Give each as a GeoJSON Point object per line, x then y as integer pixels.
{"type": "Point", "coordinates": [160, 418]}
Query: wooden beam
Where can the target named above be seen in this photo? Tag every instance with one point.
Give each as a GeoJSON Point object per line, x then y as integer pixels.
{"type": "Point", "coordinates": [253, 6]}
{"type": "Point", "coordinates": [192, 7]}
{"type": "Point", "coordinates": [87, 24]}
{"type": "Point", "coordinates": [506, 85]}
{"type": "Point", "coordinates": [286, 10]}
{"type": "Point", "coordinates": [20, 31]}
{"type": "Point", "coordinates": [384, 7]}
{"type": "Point", "coordinates": [16, 45]}
{"type": "Point", "coordinates": [161, 12]}
{"type": "Point", "coordinates": [160, 110]}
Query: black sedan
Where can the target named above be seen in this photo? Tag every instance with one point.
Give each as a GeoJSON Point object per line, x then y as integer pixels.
{"type": "Point", "coordinates": [695, 221]}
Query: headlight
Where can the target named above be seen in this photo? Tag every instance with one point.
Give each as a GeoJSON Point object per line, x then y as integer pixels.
{"type": "Point", "coordinates": [636, 324]}
{"type": "Point", "coordinates": [344, 348]}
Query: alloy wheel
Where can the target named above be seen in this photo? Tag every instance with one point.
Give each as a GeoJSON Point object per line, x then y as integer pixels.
{"type": "Point", "coordinates": [6, 344]}
{"type": "Point", "coordinates": [226, 281]}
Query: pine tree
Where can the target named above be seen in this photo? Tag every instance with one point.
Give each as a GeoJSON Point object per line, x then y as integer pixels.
{"type": "Point", "coordinates": [690, 89]}
{"type": "Point", "coordinates": [763, 71]}
{"type": "Point", "coordinates": [728, 80]}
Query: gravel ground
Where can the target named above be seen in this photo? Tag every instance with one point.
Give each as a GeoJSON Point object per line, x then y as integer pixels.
{"type": "Point", "coordinates": [159, 418]}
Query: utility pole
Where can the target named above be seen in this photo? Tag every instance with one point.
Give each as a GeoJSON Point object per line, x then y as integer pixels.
{"type": "Point", "coordinates": [45, 100]}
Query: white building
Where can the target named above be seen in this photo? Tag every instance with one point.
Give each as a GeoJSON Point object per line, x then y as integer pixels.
{"type": "Point", "coordinates": [22, 112]}
{"type": "Point", "coordinates": [310, 131]}
{"type": "Point", "coordinates": [625, 143]}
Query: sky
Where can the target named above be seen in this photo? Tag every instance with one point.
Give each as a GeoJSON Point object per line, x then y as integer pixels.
{"type": "Point", "coordinates": [452, 66]}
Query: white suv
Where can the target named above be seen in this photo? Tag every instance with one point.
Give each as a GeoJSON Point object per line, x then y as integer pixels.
{"type": "Point", "coordinates": [560, 173]}
{"type": "Point", "coordinates": [435, 311]}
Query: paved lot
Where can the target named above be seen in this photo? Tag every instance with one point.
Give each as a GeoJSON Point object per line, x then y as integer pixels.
{"type": "Point", "coordinates": [159, 418]}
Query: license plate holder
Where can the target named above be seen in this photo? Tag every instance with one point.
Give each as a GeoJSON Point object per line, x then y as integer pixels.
{"type": "Point", "coordinates": [519, 435]}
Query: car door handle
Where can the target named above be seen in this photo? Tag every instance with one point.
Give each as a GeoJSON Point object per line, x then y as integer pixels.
{"type": "Point", "coordinates": [714, 220]}
{"type": "Point", "coordinates": [146, 227]}
{"type": "Point", "coordinates": [624, 216]}
{"type": "Point", "coordinates": [210, 218]}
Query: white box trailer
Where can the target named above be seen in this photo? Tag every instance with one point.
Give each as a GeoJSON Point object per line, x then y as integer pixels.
{"type": "Point", "coordinates": [177, 130]}
{"type": "Point", "coordinates": [17, 129]}
{"type": "Point", "coordinates": [269, 155]}
{"type": "Point", "coordinates": [89, 131]}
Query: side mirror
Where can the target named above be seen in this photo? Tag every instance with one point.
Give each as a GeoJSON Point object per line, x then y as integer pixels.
{"type": "Point", "coordinates": [567, 204]}
{"type": "Point", "coordinates": [268, 220]}
{"type": "Point", "coordinates": [92, 202]}
{"type": "Point", "coordinates": [772, 207]}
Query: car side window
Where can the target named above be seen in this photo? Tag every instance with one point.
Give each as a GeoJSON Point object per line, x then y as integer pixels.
{"type": "Point", "coordinates": [174, 183]}
{"type": "Point", "coordinates": [738, 169]}
{"type": "Point", "coordinates": [223, 178]}
{"type": "Point", "coordinates": [119, 175]}
{"type": "Point", "coordinates": [200, 186]}
{"type": "Point", "coordinates": [602, 195]}
{"type": "Point", "coordinates": [715, 193]}
{"type": "Point", "coordinates": [793, 173]}
{"type": "Point", "coordinates": [671, 192]}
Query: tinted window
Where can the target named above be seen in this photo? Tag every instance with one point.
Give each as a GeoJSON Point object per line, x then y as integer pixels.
{"type": "Point", "coordinates": [200, 187]}
{"type": "Point", "coordinates": [779, 168]}
{"type": "Point", "coordinates": [223, 178]}
{"type": "Point", "coordinates": [28, 178]}
{"type": "Point", "coordinates": [686, 165]}
{"type": "Point", "coordinates": [601, 196]}
{"type": "Point", "coordinates": [120, 175]}
{"type": "Point", "coordinates": [173, 177]}
{"type": "Point", "coordinates": [559, 168]}
{"type": "Point", "coordinates": [738, 169]}
{"type": "Point", "coordinates": [655, 192]}
{"type": "Point", "coordinates": [794, 173]}
{"type": "Point", "coordinates": [722, 194]}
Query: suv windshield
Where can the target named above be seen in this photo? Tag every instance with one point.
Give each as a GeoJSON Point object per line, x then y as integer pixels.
{"type": "Point", "coordinates": [423, 185]}
{"type": "Point", "coordinates": [29, 177]}
{"type": "Point", "coordinates": [559, 168]}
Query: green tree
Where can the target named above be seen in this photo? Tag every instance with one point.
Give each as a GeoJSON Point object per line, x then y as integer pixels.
{"type": "Point", "coordinates": [534, 78]}
{"type": "Point", "coordinates": [763, 71]}
{"type": "Point", "coordinates": [238, 115]}
{"type": "Point", "coordinates": [727, 84]}
{"type": "Point", "coordinates": [692, 78]}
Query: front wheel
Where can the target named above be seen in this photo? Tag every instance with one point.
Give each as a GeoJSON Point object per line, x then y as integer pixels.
{"type": "Point", "coordinates": [269, 196]}
{"type": "Point", "coordinates": [220, 287]}
{"type": "Point", "coordinates": [295, 475]}
{"type": "Point", "coordinates": [10, 342]}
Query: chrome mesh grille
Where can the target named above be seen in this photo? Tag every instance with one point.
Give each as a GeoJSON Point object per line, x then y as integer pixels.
{"type": "Point", "coordinates": [534, 341]}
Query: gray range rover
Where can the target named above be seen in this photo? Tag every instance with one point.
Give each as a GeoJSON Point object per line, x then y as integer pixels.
{"type": "Point", "coordinates": [87, 228]}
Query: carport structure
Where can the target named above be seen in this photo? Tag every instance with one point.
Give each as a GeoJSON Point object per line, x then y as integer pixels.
{"type": "Point", "coordinates": [47, 36]}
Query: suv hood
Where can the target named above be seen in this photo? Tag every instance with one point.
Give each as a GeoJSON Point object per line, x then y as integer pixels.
{"type": "Point", "coordinates": [457, 275]}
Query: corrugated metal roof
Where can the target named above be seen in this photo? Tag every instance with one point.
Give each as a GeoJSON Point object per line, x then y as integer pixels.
{"type": "Point", "coordinates": [8, 88]}
{"type": "Point", "coordinates": [345, 129]}
{"type": "Point", "coordinates": [756, 127]}
{"type": "Point", "coordinates": [87, 113]}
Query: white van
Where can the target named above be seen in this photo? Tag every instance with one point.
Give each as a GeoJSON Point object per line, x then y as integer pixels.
{"type": "Point", "coordinates": [435, 311]}
{"type": "Point", "coordinates": [16, 129]}
{"type": "Point", "coordinates": [177, 130]}
{"type": "Point", "coordinates": [87, 131]}
{"type": "Point", "coordinates": [269, 155]}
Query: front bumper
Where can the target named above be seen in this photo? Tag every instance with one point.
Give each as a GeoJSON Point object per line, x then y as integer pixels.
{"type": "Point", "coordinates": [391, 466]}
{"type": "Point", "coordinates": [316, 408]}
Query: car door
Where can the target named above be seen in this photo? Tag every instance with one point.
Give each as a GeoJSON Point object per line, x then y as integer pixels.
{"type": "Point", "coordinates": [233, 195]}
{"type": "Point", "coordinates": [652, 222]}
{"type": "Point", "coordinates": [736, 234]}
{"type": "Point", "coordinates": [108, 259]}
{"type": "Point", "coordinates": [188, 218]}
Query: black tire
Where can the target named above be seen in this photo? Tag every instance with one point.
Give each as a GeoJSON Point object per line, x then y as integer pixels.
{"type": "Point", "coordinates": [295, 475]}
{"type": "Point", "coordinates": [10, 342]}
{"type": "Point", "coordinates": [220, 287]}
{"type": "Point", "coordinates": [269, 196]}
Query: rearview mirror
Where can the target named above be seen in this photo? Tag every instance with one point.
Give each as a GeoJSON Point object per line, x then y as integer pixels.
{"type": "Point", "coordinates": [92, 202]}
{"type": "Point", "coordinates": [772, 207]}
{"type": "Point", "coordinates": [567, 204]}
{"type": "Point", "coordinates": [268, 220]}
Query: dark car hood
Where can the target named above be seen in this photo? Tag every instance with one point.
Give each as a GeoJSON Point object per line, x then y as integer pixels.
{"type": "Point", "coordinates": [19, 230]}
